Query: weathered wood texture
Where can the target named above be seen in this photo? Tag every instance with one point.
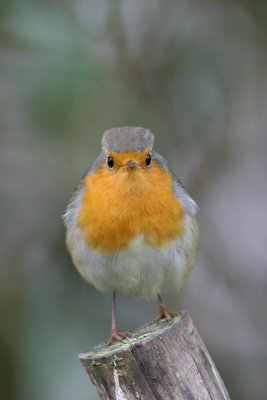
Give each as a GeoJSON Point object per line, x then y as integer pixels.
{"type": "Point", "coordinates": [160, 361]}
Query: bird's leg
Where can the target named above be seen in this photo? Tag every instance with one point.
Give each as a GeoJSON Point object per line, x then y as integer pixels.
{"type": "Point", "coordinates": [115, 334]}
{"type": "Point", "coordinates": [163, 313]}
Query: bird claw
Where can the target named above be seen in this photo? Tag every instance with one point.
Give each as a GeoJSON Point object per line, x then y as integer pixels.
{"type": "Point", "coordinates": [118, 336]}
{"type": "Point", "coordinates": [165, 314]}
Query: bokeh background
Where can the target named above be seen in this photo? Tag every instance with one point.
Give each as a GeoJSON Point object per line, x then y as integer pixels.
{"type": "Point", "coordinates": [194, 72]}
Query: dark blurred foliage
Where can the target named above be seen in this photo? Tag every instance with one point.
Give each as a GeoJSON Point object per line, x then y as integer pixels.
{"type": "Point", "coordinates": [194, 72]}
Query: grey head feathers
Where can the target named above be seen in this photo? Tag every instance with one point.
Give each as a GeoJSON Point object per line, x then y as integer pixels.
{"type": "Point", "coordinates": [127, 138]}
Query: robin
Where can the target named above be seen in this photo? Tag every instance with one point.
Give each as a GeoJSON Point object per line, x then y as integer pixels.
{"type": "Point", "coordinates": [130, 224]}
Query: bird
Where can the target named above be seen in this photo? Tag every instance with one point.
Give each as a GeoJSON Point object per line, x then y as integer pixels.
{"type": "Point", "coordinates": [131, 226]}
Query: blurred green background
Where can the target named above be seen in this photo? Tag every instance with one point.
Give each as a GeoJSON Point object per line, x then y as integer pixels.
{"type": "Point", "coordinates": [194, 72]}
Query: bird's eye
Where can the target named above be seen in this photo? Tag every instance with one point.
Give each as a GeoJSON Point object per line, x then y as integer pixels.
{"type": "Point", "coordinates": [110, 162]}
{"type": "Point", "coordinates": [148, 160]}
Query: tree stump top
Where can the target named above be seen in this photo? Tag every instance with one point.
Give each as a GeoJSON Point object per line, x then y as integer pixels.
{"type": "Point", "coordinates": [101, 353]}
{"type": "Point", "coordinates": [164, 360]}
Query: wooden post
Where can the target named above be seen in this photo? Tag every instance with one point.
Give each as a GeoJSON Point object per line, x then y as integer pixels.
{"type": "Point", "coordinates": [163, 361]}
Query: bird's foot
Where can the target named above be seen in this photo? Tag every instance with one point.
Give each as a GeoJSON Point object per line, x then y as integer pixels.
{"type": "Point", "coordinates": [164, 313]}
{"type": "Point", "coordinates": [116, 335]}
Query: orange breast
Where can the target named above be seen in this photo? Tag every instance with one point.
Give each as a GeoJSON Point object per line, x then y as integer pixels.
{"type": "Point", "coordinates": [120, 205]}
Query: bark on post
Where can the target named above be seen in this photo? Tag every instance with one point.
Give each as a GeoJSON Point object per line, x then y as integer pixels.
{"type": "Point", "coordinates": [160, 361]}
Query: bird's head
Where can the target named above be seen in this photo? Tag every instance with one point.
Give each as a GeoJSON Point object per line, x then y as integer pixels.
{"type": "Point", "coordinates": [128, 149]}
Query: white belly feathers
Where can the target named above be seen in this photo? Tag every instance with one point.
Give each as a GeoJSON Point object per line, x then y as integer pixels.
{"type": "Point", "coordinates": [139, 271]}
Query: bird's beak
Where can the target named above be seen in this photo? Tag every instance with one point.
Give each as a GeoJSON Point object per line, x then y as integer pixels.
{"type": "Point", "coordinates": [131, 165]}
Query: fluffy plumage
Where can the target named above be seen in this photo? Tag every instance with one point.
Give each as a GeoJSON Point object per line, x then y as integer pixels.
{"type": "Point", "coordinates": [132, 230]}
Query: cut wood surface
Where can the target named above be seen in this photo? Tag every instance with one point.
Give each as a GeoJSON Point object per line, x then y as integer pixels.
{"type": "Point", "coordinates": [165, 360]}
